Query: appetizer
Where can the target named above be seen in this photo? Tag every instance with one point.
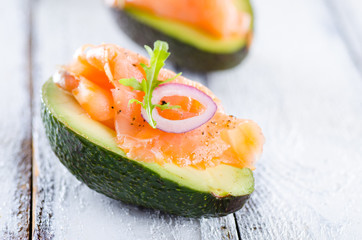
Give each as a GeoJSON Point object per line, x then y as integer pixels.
{"type": "Point", "coordinates": [204, 35]}
{"type": "Point", "coordinates": [142, 134]}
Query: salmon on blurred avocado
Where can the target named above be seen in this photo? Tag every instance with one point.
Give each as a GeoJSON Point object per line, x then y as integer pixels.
{"type": "Point", "coordinates": [204, 35]}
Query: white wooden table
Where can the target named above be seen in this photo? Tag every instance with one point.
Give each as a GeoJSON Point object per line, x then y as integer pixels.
{"type": "Point", "coordinates": [302, 82]}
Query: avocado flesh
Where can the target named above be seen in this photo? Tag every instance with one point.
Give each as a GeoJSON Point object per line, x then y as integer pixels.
{"type": "Point", "coordinates": [187, 34]}
{"type": "Point", "coordinates": [192, 48]}
{"type": "Point", "coordinates": [89, 150]}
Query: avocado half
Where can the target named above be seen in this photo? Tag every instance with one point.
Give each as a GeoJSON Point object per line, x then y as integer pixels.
{"type": "Point", "coordinates": [90, 152]}
{"type": "Point", "coordinates": [191, 48]}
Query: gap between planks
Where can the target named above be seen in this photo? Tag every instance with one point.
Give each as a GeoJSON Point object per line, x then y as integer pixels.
{"type": "Point", "coordinates": [31, 95]}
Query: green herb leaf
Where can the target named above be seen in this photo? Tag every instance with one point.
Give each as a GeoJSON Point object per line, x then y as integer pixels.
{"type": "Point", "coordinates": [134, 100]}
{"type": "Point", "coordinates": [158, 56]}
{"type": "Point", "coordinates": [166, 106]}
{"type": "Point", "coordinates": [171, 79]}
{"type": "Point", "coordinates": [131, 82]}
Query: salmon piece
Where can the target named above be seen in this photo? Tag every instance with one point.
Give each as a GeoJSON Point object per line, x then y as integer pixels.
{"type": "Point", "coordinates": [96, 101]}
{"type": "Point", "coordinates": [65, 80]}
{"type": "Point", "coordinates": [220, 18]}
{"type": "Point", "coordinates": [222, 140]}
{"type": "Point", "coordinates": [189, 108]}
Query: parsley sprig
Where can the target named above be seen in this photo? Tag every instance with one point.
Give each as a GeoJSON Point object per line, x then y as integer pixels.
{"type": "Point", "coordinates": [158, 56]}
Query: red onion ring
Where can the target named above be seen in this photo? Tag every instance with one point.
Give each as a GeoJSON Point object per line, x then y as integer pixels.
{"type": "Point", "coordinates": [184, 125]}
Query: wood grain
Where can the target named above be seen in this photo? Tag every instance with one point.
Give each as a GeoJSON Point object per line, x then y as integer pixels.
{"type": "Point", "coordinates": [300, 84]}
{"type": "Point", "coordinates": [347, 18]}
{"type": "Point", "coordinates": [219, 228]}
{"type": "Point", "coordinates": [15, 122]}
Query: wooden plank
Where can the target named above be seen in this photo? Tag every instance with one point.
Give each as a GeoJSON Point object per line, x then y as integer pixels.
{"type": "Point", "coordinates": [347, 18]}
{"type": "Point", "coordinates": [300, 84]}
{"type": "Point", "coordinates": [15, 122]}
{"type": "Point", "coordinates": [212, 228]}
{"type": "Point", "coordinates": [219, 228]}
{"type": "Point", "coordinates": [63, 207]}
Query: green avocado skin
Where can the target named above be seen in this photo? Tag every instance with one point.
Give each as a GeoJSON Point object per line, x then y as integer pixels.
{"type": "Point", "coordinates": [183, 55]}
{"type": "Point", "coordinates": [123, 179]}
